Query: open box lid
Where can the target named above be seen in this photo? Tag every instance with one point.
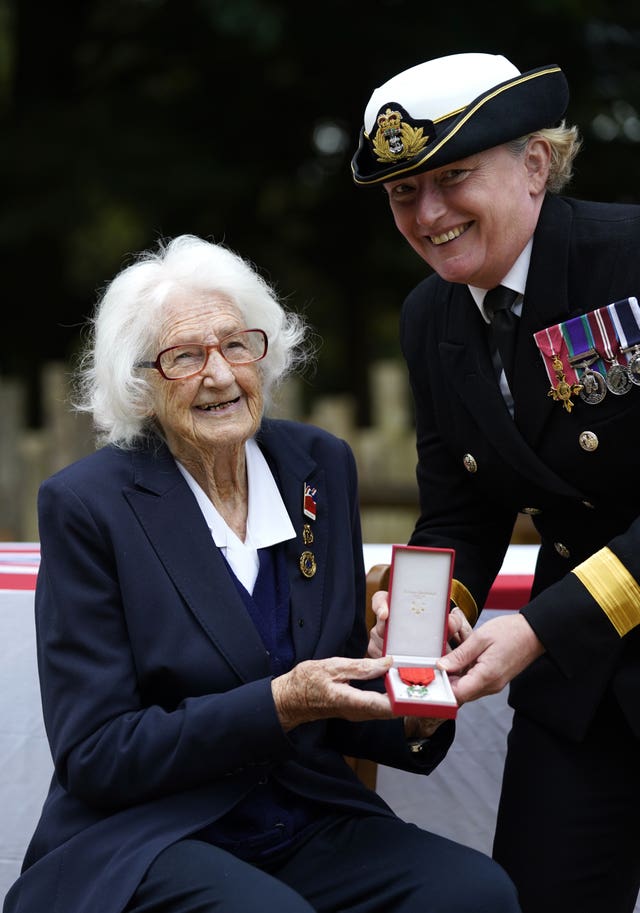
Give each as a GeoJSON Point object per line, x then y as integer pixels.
{"type": "Point", "coordinates": [419, 593]}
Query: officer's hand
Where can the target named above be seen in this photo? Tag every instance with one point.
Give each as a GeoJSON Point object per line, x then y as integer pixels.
{"type": "Point", "coordinates": [493, 654]}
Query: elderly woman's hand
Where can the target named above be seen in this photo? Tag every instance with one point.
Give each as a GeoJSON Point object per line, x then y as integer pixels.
{"type": "Point", "coordinates": [319, 688]}
{"type": "Point", "coordinates": [380, 608]}
{"type": "Point", "coordinates": [459, 628]}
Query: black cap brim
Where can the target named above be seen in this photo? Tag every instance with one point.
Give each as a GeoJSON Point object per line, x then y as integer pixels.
{"type": "Point", "coordinates": [514, 108]}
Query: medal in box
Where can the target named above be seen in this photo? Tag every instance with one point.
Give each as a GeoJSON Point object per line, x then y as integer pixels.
{"type": "Point", "coordinates": [416, 631]}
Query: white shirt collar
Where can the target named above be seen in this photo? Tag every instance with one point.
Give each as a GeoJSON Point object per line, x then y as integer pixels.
{"type": "Point", "coordinates": [267, 521]}
{"type": "Point", "coordinates": [515, 279]}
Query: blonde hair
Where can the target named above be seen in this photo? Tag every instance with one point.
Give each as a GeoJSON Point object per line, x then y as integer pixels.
{"type": "Point", "coordinates": [565, 143]}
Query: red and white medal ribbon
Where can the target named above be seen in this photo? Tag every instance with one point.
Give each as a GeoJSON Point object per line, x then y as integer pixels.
{"type": "Point", "coordinates": [552, 347]}
{"type": "Point", "coordinates": [605, 341]}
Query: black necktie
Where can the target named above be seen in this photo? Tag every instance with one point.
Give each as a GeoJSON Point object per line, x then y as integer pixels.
{"type": "Point", "coordinates": [503, 326]}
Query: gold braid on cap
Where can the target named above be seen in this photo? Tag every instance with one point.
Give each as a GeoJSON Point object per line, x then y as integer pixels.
{"type": "Point", "coordinates": [463, 600]}
{"type": "Point", "coordinates": [395, 140]}
{"type": "Point", "coordinates": [614, 589]}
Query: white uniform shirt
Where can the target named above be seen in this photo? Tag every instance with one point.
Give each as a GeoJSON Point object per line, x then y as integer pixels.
{"type": "Point", "coordinates": [515, 279]}
{"type": "Point", "coordinates": [267, 521]}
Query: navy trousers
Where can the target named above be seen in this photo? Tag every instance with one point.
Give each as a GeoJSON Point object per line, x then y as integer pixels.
{"type": "Point", "coordinates": [364, 864]}
{"type": "Point", "coordinates": [568, 829]}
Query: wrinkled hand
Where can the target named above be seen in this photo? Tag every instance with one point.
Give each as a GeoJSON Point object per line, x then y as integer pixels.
{"type": "Point", "coordinates": [459, 628]}
{"type": "Point", "coordinates": [380, 607]}
{"type": "Point", "coordinates": [492, 655]}
{"type": "Point", "coordinates": [319, 688]}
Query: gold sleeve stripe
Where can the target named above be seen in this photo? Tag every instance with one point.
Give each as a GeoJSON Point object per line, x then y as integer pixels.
{"type": "Point", "coordinates": [614, 589]}
{"type": "Point", "coordinates": [462, 598]}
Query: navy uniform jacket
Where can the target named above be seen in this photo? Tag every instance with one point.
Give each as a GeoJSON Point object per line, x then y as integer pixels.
{"type": "Point", "coordinates": [585, 255]}
{"type": "Point", "coordinates": [155, 683]}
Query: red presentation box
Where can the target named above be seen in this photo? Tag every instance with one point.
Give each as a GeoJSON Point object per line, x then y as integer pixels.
{"type": "Point", "coordinates": [416, 632]}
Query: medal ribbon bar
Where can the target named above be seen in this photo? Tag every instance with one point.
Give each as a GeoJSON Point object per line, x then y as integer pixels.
{"type": "Point", "coordinates": [605, 341]}
{"type": "Point", "coordinates": [625, 316]}
{"type": "Point", "coordinates": [552, 345]}
{"type": "Point", "coordinates": [579, 339]}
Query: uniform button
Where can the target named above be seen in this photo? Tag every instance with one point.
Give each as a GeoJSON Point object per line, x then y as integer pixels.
{"type": "Point", "coordinates": [588, 440]}
{"type": "Point", "coordinates": [263, 781]}
{"type": "Point", "coordinates": [469, 462]}
{"type": "Point", "coordinates": [301, 622]}
{"type": "Point", "coordinates": [530, 511]}
{"type": "Point", "coordinates": [562, 550]}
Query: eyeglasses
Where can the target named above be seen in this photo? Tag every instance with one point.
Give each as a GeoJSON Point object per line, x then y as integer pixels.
{"type": "Point", "coordinates": [180, 362]}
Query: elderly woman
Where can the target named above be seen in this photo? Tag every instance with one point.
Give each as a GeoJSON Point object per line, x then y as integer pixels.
{"type": "Point", "coordinates": [201, 634]}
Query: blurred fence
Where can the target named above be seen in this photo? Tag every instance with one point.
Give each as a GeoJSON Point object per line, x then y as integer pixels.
{"type": "Point", "coordinates": [385, 451]}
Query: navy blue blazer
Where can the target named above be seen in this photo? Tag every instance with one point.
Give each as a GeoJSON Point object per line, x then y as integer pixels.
{"type": "Point", "coordinates": [155, 684]}
{"type": "Point", "coordinates": [584, 256]}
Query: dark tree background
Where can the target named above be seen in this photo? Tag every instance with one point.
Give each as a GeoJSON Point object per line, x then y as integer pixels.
{"type": "Point", "coordinates": [127, 120]}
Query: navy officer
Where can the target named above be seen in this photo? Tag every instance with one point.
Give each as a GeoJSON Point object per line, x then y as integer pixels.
{"type": "Point", "coordinates": [522, 345]}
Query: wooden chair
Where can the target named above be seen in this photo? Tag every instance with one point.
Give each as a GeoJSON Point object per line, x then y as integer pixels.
{"type": "Point", "coordinates": [377, 579]}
